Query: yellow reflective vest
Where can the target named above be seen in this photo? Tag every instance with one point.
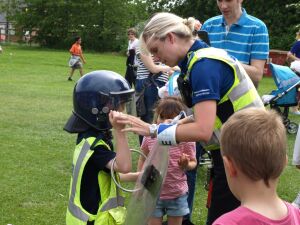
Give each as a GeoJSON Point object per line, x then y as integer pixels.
{"type": "Point", "coordinates": [241, 95]}
{"type": "Point", "coordinates": [111, 210]}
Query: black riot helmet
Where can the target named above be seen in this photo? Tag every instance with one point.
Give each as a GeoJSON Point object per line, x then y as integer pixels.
{"type": "Point", "coordinates": [94, 95]}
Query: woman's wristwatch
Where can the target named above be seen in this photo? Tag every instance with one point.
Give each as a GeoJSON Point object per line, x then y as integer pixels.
{"type": "Point", "coordinates": [153, 130]}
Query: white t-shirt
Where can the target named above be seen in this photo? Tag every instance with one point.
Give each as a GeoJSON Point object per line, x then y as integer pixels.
{"type": "Point", "coordinates": [133, 44]}
{"type": "Point", "coordinates": [295, 65]}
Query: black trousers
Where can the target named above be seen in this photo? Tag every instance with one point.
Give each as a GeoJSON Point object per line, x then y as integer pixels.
{"type": "Point", "coordinates": [222, 200]}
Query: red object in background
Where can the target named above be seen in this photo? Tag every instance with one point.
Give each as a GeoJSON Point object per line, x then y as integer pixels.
{"type": "Point", "coordinates": [277, 57]}
{"type": "Point", "coordinates": [2, 37]}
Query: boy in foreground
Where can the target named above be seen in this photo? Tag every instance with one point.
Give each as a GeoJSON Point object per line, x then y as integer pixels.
{"type": "Point", "coordinates": [253, 171]}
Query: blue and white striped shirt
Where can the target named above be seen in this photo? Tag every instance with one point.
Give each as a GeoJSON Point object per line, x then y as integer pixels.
{"type": "Point", "coordinates": [245, 40]}
{"type": "Point", "coordinates": [143, 72]}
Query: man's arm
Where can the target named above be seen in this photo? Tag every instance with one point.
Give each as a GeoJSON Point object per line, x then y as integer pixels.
{"type": "Point", "coordinates": [255, 70]}
{"type": "Point", "coordinates": [151, 66]}
{"type": "Point", "coordinates": [292, 57]}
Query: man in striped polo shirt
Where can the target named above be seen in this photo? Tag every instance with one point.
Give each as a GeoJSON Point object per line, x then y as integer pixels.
{"type": "Point", "coordinates": [243, 36]}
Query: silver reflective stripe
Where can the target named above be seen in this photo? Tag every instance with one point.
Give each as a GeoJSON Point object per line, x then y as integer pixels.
{"type": "Point", "coordinates": [216, 53]}
{"type": "Point", "coordinates": [211, 52]}
{"type": "Point", "coordinates": [113, 203]}
{"type": "Point", "coordinates": [256, 103]}
{"type": "Point", "coordinates": [240, 71]}
{"type": "Point", "coordinates": [239, 90]}
{"type": "Point", "coordinates": [75, 210]}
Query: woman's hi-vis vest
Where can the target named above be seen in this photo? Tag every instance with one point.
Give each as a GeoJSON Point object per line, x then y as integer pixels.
{"type": "Point", "coordinates": [111, 210]}
{"type": "Point", "coordinates": [241, 95]}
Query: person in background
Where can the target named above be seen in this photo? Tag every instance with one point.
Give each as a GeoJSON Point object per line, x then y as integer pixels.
{"type": "Point", "coordinates": [294, 53]}
{"type": "Point", "coordinates": [250, 178]}
{"type": "Point", "coordinates": [173, 195]}
{"type": "Point", "coordinates": [243, 36]}
{"type": "Point", "coordinates": [151, 75]}
{"type": "Point", "coordinates": [293, 56]}
{"type": "Point", "coordinates": [93, 192]}
{"type": "Point", "coordinates": [130, 74]}
{"type": "Point", "coordinates": [212, 82]}
{"type": "Point", "coordinates": [76, 59]}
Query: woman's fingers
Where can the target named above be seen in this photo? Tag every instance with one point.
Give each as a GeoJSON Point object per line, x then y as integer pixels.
{"type": "Point", "coordinates": [134, 124]}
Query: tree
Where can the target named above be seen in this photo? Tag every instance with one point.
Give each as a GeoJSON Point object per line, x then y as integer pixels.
{"type": "Point", "coordinates": [102, 24]}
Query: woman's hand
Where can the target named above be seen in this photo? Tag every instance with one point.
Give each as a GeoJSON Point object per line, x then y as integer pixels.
{"type": "Point", "coordinates": [134, 124]}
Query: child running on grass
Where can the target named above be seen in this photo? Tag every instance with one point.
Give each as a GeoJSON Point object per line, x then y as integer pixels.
{"type": "Point", "coordinates": [76, 59]}
{"type": "Point", "coordinates": [253, 171]}
{"type": "Point", "coordinates": [173, 196]}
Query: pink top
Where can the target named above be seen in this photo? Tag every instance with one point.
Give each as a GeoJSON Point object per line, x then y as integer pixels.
{"type": "Point", "coordinates": [245, 216]}
{"type": "Point", "coordinates": [175, 183]}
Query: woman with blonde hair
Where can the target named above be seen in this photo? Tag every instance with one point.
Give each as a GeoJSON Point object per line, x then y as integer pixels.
{"type": "Point", "coordinates": [212, 82]}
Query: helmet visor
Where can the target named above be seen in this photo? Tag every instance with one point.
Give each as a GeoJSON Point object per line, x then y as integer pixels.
{"type": "Point", "coordinates": [119, 98]}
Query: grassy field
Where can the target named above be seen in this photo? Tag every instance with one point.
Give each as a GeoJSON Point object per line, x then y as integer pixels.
{"type": "Point", "coordinates": [36, 154]}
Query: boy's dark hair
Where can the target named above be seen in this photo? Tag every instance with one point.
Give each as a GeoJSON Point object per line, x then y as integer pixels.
{"type": "Point", "coordinates": [77, 38]}
{"type": "Point", "coordinates": [169, 107]}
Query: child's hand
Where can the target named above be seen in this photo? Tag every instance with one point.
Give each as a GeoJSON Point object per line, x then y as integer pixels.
{"type": "Point", "coordinates": [113, 117]}
{"type": "Point", "coordinates": [183, 162]}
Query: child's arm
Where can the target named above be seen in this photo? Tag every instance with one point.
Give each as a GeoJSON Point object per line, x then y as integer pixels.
{"type": "Point", "coordinates": [188, 159]}
{"type": "Point", "coordinates": [129, 177]}
{"type": "Point", "coordinates": [123, 154]}
{"type": "Point", "coordinates": [132, 176]}
{"type": "Point", "coordinates": [82, 58]}
{"type": "Point", "coordinates": [145, 150]}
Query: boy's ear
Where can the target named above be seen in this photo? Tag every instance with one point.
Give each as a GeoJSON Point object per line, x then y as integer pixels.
{"type": "Point", "coordinates": [230, 166]}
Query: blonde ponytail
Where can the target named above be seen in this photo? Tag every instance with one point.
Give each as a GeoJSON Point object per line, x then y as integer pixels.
{"type": "Point", "coordinates": [164, 23]}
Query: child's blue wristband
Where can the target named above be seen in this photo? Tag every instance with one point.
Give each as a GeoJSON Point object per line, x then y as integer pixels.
{"type": "Point", "coordinates": [166, 134]}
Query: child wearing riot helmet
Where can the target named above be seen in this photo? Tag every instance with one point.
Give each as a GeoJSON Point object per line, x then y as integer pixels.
{"type": "Point", "coordinates": [253, 172]}
{"type": "Point", "coordinates": [94, 199]}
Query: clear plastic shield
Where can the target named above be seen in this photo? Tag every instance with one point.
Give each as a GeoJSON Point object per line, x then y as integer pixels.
{"type": "Point", "coordinates": [142, 202]}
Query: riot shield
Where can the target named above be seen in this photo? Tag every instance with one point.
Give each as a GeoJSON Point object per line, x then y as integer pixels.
{"type": "Point", "coordinates": [142, 202]}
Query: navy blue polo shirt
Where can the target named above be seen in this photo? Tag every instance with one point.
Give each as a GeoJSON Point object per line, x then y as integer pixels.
{"type": "Point", "coordinates": [210, 79]}
{"type": "Point", "coordinates": [296, 49]}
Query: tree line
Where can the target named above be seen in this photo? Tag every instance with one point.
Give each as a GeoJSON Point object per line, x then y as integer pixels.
{"type": "Point", "coordinates": [102, 24]}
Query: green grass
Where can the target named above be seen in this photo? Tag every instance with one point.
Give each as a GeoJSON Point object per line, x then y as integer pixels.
{"type": "Point", "coordinates": [36, 154]}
